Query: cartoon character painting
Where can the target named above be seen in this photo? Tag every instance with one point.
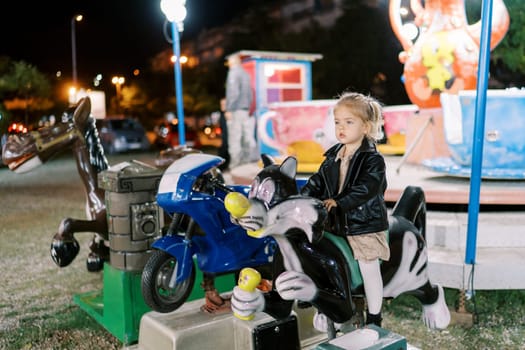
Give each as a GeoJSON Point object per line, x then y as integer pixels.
{"type": "Point", "coordinates": [317, 267]}
{"type": "Point", "coordinates": [443, 57]}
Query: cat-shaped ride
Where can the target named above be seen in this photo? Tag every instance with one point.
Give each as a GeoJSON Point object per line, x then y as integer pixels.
{"type": "Point", "coordinates": [317, 267]}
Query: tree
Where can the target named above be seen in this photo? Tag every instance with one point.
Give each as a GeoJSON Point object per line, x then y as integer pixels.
{"type": "Point", "coordinates": [508, 58]}
{"type": "Point", "coordinates": [23, 88]}
{"type": "Point", "coordinates": [356, 50]}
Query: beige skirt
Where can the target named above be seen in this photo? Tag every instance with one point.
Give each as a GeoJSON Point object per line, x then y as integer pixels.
{"type": "Point", "coordinates": [370, 246]}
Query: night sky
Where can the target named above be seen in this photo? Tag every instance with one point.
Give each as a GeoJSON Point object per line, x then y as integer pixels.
{"type": "Point", "coordinates": [115, 36]}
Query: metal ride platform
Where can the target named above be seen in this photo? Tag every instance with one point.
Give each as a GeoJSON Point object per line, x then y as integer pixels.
{"type": "Point", "coordinates": [190, 329]}
{"type": "Point", "coordinates": [119, 306]}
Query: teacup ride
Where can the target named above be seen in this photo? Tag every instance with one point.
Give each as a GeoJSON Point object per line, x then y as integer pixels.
{"type": "Point", "coordinates": [503, 141]}
{"type": "Point", "coordinates": [295, 128]}
{"type": "Point", "coordinates": [305, 130]}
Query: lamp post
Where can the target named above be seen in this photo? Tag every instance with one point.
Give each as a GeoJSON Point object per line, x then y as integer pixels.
{"type": "Point", "coordinates": [118, 81]}
{"type": "Point", "coordinates": [175, 12]}
{"type": "Point", "coordinates": [75, 18]}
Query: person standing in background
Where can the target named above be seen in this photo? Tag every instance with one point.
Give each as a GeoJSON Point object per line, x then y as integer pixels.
{"type": "Point", "coordinates": [241, 140]}
{"type": "Point", "coordinates": [223, 150]}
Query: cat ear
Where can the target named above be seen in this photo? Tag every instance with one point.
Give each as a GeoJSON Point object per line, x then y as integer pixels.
{"type": "Point", "coordinates": [289, 167]}
{"type": "Point", "coordinates": [267, 160]}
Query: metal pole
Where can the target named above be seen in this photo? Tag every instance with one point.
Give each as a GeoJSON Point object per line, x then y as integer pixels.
{"type": "Point", "coordinates": [411, 148]}
{"type": "Point", "coordinates": [479, 131]}
{"type": "Point", "coordinates": [178, 83]}
{"type": "Point", "coordinates": [118, 97]}
{"type": "Point", "coordinates": [74, 50]}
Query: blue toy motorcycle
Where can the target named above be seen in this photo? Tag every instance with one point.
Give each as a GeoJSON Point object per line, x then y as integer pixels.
{"type": "Point", "coordinates": [191, 192]}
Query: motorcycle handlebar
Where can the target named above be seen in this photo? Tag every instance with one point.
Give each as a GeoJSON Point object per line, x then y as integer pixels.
{"type": "Point", "coordinates": [218, 184]}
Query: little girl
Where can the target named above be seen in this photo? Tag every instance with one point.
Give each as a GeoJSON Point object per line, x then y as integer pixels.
{"type": "Point", "coordinates": [351, 182]}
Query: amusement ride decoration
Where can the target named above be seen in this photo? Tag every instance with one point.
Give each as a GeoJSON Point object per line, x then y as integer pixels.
{"type": "Point", "coordinates": [77, 132]}
{"type": "Point", "coordinates": [325, 274]}
{"type": "Point", "coordinates": [445, 55]}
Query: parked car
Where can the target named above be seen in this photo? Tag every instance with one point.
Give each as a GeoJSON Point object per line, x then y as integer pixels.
{"type": "Point", "coordinates": [3, 139]}
{"type": "Point", "coordinates": [167, 135]}
{"type": "Point", "coordinates": [210, 136]}
{"type": "Point", "coordinates": [119, 135]}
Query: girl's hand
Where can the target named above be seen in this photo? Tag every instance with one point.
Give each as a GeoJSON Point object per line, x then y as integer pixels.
{"type": "Point", "coordinates": [329, 204]}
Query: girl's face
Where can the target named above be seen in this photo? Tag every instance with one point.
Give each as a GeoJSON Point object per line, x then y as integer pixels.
{"type": "Point", "coordinates": [349, 128]}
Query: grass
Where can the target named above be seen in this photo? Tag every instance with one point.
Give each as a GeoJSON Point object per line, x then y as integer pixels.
{"type": "Point", "coordinates": [36, 297]}
{"type": "Point", "coordinates": [499, 322]}
{"type": "Point", "coordinates": [68, 328]}
{"type": "Point", "coordinates": [36, 305]}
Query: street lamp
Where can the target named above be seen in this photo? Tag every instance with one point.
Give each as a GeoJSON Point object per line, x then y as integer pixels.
{"type": "Point", "coordinates": [175, 12]}
{"type": "Point", "coordinates": [183, 59]}
{"type": "Point", "coordinates": [118, 81]}
{"type": "Point", "coordinates": [75, 18]}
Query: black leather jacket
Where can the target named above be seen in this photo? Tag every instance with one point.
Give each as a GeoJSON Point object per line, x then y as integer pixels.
{"type": "Point", "coordinates": [361, 206]}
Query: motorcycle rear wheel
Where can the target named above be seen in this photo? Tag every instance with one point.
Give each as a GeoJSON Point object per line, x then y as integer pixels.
{"type": "Point", "coordinates": [155, 279]}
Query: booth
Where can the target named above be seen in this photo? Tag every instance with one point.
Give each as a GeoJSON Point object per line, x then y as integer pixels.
{"type": "Point", "coordinates": [277, 77]}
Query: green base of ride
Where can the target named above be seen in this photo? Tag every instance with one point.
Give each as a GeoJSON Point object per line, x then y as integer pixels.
{"type": "Point", "coordinates": [120, 305]}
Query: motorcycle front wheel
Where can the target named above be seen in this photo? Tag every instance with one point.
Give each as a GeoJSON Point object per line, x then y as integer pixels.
{"type": "Point", "coordinates": [156, 276]}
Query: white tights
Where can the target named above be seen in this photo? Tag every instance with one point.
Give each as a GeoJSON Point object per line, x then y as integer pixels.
{"type": "Point", "coordinates": [373, 283]}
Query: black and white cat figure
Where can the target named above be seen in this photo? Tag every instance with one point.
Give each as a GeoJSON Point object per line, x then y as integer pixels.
{"type": "Point", "coordinates": [317, 267]}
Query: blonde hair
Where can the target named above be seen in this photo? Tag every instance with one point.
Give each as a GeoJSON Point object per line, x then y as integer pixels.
{"type": "Point", "coordinates": [365, 107]}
